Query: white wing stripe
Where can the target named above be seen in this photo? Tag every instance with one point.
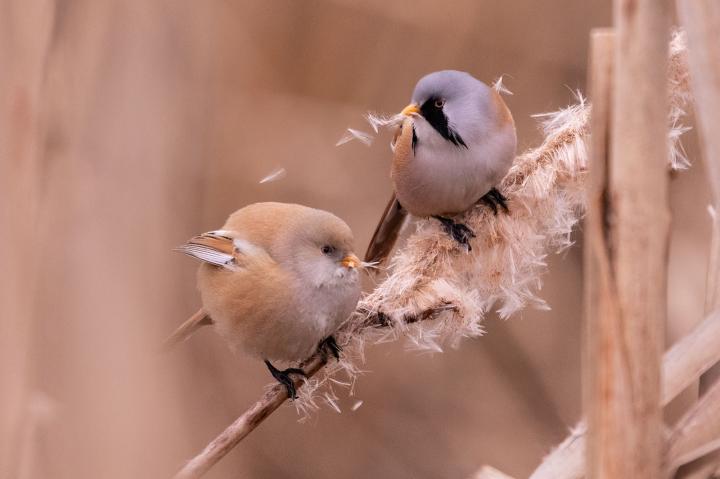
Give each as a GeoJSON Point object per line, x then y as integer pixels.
{"type": "Point", "coordinates": [210, 255]}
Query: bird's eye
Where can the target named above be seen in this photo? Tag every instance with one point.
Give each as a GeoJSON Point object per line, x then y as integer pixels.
{"type": "Point", "coordinates": [439, 103]}
{"type": "Point", "coordinates": [327, 249]}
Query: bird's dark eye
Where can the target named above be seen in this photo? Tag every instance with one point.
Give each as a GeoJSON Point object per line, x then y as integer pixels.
{"type": "Point", "coordinates": [327, 249]}
{"type": "Point", "coordinates": [439, 103]}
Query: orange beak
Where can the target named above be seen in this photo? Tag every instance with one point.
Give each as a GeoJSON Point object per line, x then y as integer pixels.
{"type": "Point", "coordinates": [350, 261]}
{"type": "Point", "coordinates": [410, 110]}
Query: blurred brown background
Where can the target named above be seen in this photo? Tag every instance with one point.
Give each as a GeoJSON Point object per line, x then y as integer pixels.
{"type": "Point", "coordinates": [128, 126]}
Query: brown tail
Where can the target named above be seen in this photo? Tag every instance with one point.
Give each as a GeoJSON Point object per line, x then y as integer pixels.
{"type": "Point", "coordinates": [187, 329]}
{"type": "Point", "coordinates": [387, 231]}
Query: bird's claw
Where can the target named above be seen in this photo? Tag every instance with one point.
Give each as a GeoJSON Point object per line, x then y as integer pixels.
{"type": "Point", "coordinates": [283, 377]}
{"type": "Point", "coordinates": [493, 199]}
{"type": "Point", "coordinates": [329, 344]}
{"type": "Point", "coordinates": [458, 231]}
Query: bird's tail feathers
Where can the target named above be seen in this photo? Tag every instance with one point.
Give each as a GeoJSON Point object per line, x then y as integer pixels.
{"type": "Point", "coordinates": [386, 233]}
{"type": "Point", "coordinates": [187, 329]}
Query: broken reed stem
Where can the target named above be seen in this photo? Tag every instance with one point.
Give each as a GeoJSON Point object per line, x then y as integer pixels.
{"type": "Point", "coordinates": [682, 364]}
{"type": "Point", "coordinates": [704, 468]}
{"type": "Point", "coordinates": [487, 472]}
{"type": "Point", "coordinates": [273, 399]}
{"type": "Point", "coordinates": [697, 433]}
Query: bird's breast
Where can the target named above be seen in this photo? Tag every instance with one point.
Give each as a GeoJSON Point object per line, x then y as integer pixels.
{"type": "Point", "coordinates": [439, 177]}
{"type": "Point", "coordinates": [440, 183]}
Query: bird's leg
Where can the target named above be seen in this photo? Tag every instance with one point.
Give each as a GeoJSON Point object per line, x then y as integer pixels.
{"type": "Point", "coordinates": [329, 344]}
{"type": "Point", "coordinates": [283, 377]}
{"type": "Point", "coordinates": [493, 198]}
{"type": "Point", "coordinates": [458, 231]}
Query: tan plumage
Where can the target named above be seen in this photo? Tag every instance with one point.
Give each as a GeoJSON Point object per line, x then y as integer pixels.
{"type": "Point", "coordinates": [276, 280]}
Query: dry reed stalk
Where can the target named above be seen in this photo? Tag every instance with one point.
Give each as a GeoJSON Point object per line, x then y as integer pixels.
{"type": "Point", "coordinates": [704, 468]}
{"type": "Point", "coordinates": [487, 472]}
{"type": "Point", "coordinates": [712, 294]}
{"type": "Point", "coordinates": [682, 364]}
{"type": "Point", "coordinates": [602, 309]}
{"type": "Point", "coordinates": [628, 276]}
{"type": "Point", "coordinates": [25, 42]}
{"type": "Point", "coordinates": [697, 433]}
{"type": "Point", "coordinates": [626, 299]}
{"type": "Point", "coordinates": [691, 357]}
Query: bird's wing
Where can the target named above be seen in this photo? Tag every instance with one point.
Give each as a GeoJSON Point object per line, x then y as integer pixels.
{"type": "Point", "coordinates": [222, 249]}
{"type": "Point", "coordinates": [387, 232]}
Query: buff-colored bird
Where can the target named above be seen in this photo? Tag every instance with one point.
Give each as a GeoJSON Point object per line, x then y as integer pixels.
{"type": "Point", "coordinates": [276, 282]}
{"type": "Point", "coordinates": [457, 142]}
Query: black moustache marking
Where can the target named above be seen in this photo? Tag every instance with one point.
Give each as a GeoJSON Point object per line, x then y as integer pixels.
{"type": "Point", "coordinates": [439, 121]}
{"type": "Point", "coordinates": [414, 139]}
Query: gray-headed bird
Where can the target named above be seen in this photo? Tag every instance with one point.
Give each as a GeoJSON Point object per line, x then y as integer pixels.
{"type": "Point", "coordinates": [276, 282]}
{"type": "Point", "coordinates": [456, 144]}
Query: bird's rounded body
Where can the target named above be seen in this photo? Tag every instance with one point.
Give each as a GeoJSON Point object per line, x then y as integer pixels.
{"type": "Point", "coordinates": [456, 143]}
{"type": "Point", "coordinates": [434, 176]}
{"type": "Point", "coordinates": [281, 300]}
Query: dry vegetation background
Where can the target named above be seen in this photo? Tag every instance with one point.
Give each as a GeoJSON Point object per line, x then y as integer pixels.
{"type": "Point", "coordinates": [128, 126]}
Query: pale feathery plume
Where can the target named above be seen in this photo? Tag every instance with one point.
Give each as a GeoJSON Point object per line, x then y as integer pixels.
{"type": "Point", "coordinates": [381, 121]}
{"type": "Point", "coordinates": [353, 134]}
{"type": "Point", "coordinates": [500, 87]}
{"type": "Point", "coordinates": [679, 99]}
{"type": "Point", "coordinates": [275, 175]}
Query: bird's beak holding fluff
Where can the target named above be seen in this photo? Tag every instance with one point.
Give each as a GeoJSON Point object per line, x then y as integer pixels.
{"type": "Point", "coordinates": [350, 261]}
{"type": "Point", "coordinates": [410, 110]}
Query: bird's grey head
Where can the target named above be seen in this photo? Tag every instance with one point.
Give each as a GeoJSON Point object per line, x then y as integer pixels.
{"type": "Point", "coordinates": [454, 103]}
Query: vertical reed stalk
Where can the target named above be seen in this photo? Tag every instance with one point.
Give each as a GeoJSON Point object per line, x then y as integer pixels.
{"type": "Point", "coordinates": [600, 302]}
{"type": "Point", "coordinates": [626, 298]}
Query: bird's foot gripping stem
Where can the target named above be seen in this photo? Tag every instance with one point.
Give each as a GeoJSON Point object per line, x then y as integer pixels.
{"type": "Point", "coordinates": [458, 231]}
{"type": "Point", "coordinates": [493, 199]}
{"type": "Point", "coordinates": [283, 377]}
{"type": "Point", "coordinates": [330, 345]}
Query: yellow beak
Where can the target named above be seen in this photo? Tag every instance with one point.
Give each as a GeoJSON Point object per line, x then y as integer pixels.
{"type": "Point", "coordinates": [411, 109]}
{"type": "Point", "coordinates": [350, 261]}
